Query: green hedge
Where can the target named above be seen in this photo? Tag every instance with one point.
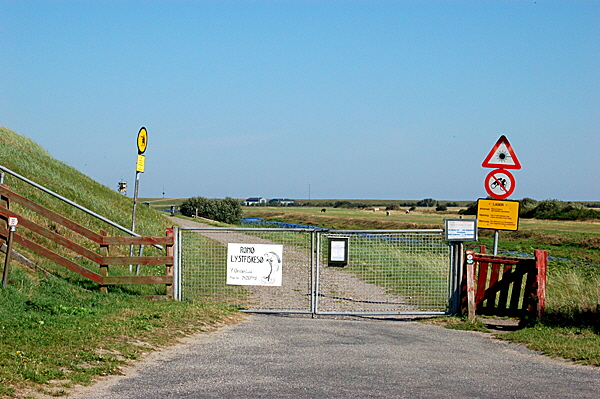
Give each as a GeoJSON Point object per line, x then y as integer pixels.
{"type": "Point", "coordinates": [226, 210]}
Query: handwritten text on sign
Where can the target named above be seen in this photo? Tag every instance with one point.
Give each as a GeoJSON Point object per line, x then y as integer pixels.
{"type": "Point", "coordinates": [254, 264]}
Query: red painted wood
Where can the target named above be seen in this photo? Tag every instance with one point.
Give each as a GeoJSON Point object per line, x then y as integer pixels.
{"type": "Point", "coordinates": [137, 240]}
{"type": "Point", "coordinates": [44, 232]}
{"type": "Point", "coordinates": [121, 280]}
{"type": "Point", "coordinates": [541, 258]}
{"type": "Point", "coordinates": [54, 257]}
{"type": "Point", "coordinates": [50, 215]}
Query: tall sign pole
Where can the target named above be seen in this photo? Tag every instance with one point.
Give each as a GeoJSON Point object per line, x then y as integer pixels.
{"type": "Point", "coordinates": [499, 184]}
{"type": "Point", "coordinates": [142, 143]}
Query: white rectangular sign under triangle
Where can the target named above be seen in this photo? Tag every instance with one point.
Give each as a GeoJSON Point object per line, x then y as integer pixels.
{"type": "Point", "coordinates": [254, 264]}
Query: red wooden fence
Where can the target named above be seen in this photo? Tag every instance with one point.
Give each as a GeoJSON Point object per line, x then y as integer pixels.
{"type": "Point", "coordinates": [505, 286]}
{"type": "Point", "coordinates": [104, 242]}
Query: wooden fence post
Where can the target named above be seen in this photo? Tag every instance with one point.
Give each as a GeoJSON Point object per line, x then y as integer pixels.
{"type": "Point", "coordinates": [470, 286]}
{"type": "Point", "coordinates": [169, 268]}
{"type": "Point", "coordinates": [104, 251]}
{"type": "Point", "coordinates": [541, 265]}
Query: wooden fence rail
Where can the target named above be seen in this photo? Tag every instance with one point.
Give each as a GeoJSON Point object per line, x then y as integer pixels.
{"type": "Point", "coordinates": [505, 286]}
{"type": "Point", "coordinates": [104, 242]}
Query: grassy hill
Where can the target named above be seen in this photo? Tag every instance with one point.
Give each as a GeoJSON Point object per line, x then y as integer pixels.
{"type": "Point", "coordinates": [56, 329]}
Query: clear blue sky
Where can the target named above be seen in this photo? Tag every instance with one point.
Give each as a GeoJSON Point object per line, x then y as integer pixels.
{"type": "Point", "coordinates": [350, 99]}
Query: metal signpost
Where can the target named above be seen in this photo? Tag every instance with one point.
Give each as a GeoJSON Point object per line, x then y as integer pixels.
{"type": "Point", "coordinates": [499, 184]}
{"type": "Point", "coordinates": [142, 143]}
{"type": "Point", "coordinates": [457, 232]}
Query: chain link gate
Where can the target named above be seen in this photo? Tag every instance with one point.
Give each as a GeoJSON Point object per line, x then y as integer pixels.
{"type": "Point", "coordinates": [202, 274]}
{"type": "Point", "coordinates": [387, 272]}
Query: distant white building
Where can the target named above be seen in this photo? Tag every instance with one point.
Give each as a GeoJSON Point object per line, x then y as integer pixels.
{"type": "Point", "coordinates": [252, 201]}
{"type": "Point", "coordinates": [282, 202]}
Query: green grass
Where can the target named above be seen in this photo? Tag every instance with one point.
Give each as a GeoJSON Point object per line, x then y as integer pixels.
{"type": "Point", "coordinates": [54, 334]}
{"type": "Point", "coordinates": [59, 331]}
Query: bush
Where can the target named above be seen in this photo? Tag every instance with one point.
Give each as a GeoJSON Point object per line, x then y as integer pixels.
{"type": "Point", "coordinates": [471, 209]}
{"type": "Point", "coordinates": [228, 210]}
{"type": "Point", "coordinates": [441, 208]}
{"type": "Point", "coordinates": [427, 202]}
{"type": "Point", "coordinates": [559, 210]}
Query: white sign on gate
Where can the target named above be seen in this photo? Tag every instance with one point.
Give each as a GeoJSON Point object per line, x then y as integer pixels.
{"type": "Point", "coordinates": [254, 264]}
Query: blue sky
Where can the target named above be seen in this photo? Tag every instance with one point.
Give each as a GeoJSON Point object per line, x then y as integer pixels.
{"type": "Point", "coordinates": [347, 99]}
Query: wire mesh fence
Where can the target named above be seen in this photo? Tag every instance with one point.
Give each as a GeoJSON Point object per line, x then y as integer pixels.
{"type": "Point", "coordinates": [204, 272]}
{"type": "Point", "coordinates": [387, 272]}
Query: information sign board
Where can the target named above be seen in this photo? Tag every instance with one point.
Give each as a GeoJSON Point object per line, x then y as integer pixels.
{"type": "Point", "coordinates": [338, 251]}
{"type": "Point", "coordinates": [140, 164]}
{"type": "Point", "coordinates": [461, 229]}
{"type": "Point", "coordinates": [254, 264]}
{"type": "Point", "coordinates": [498, 215]}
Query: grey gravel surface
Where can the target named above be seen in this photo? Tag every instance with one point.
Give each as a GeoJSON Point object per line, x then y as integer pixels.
{"type": "Point", "coordinates": [271, 356]}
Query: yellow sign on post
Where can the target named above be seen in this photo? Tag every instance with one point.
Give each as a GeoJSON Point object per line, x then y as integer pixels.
{"type": "Point", "coordinates": [141, 162]}
{"type": "Point", "coordinates": [142, 140]}
{"type": "Point", "coordinates": [498, 215]}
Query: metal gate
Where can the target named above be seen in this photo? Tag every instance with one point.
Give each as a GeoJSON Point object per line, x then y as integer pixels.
{"type": "Point", "coordinates": [380, 272]}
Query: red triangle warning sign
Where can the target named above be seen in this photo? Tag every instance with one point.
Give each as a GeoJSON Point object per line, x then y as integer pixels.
{"type": "Point", "coordinates": [502, 156]}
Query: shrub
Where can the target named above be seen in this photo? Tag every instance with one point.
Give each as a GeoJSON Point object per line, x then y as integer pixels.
{"type": "Point", "coordinates": [471, 209]}
{"type": "Point", "coordinates": [559, 210]}
{"type": "Point", "coordinates": [427, 202]}
{"type": "Point", "coordinates": [441, 208]}
{"type": "Point", "coordinates": [226, 210]}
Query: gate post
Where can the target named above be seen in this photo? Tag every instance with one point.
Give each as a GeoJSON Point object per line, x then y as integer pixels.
{"type": "Point", "coordinates": [541, 265]}
{"type": "Point", "coordinates": [169, 268]}
{"type": "Point", "coordinates": [456, 276]}
{"type": "Point", "coordinates": [176, 263]}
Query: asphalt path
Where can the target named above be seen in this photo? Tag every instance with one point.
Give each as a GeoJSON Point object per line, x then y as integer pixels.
{"type": "Point", "coordinates": [271, 356]}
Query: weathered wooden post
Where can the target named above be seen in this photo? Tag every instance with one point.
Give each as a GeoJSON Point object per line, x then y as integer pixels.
{"type": "Point", "coordinates": [104, 251]}
{"type": "Point", "coordinates": [169, 268]}
{"type": "Point", "coordinates": [470, 286]}
{"type": "Point", "coordinates": [541, 265]}
{"type": "Point", "coordinates": [12, 226]}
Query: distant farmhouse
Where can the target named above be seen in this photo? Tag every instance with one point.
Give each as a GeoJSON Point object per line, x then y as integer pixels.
{"type": "Point", "coordinates": [282, 202]}
{"type": "Point", "coordinates": [255, 201]}
{"type": "Point", "coordinates": [260, 201]}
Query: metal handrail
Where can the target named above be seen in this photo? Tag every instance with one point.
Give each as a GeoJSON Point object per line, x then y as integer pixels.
{"type": "Point", "coordinates": [68, 201]}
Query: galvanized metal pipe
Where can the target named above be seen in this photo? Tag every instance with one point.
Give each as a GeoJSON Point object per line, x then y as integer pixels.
{"type": "Point", "coordinates": [68, 201]}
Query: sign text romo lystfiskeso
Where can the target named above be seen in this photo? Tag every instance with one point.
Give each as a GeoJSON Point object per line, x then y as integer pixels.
{"type": "Point", "coordinates": [254, 264]}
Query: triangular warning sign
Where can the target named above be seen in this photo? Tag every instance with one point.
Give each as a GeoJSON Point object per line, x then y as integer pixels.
{"type": "Point", "coordinates": [502, 156]}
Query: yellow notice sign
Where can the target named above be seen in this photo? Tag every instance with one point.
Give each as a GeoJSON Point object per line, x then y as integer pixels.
{"type": "Point", "coordinates": [498, 215]}
{"type": "Point", "coordinates": [141, 162]}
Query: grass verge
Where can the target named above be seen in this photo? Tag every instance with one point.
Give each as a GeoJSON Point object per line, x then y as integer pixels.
{"type": "Point", "coordinates": [54, 335]}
